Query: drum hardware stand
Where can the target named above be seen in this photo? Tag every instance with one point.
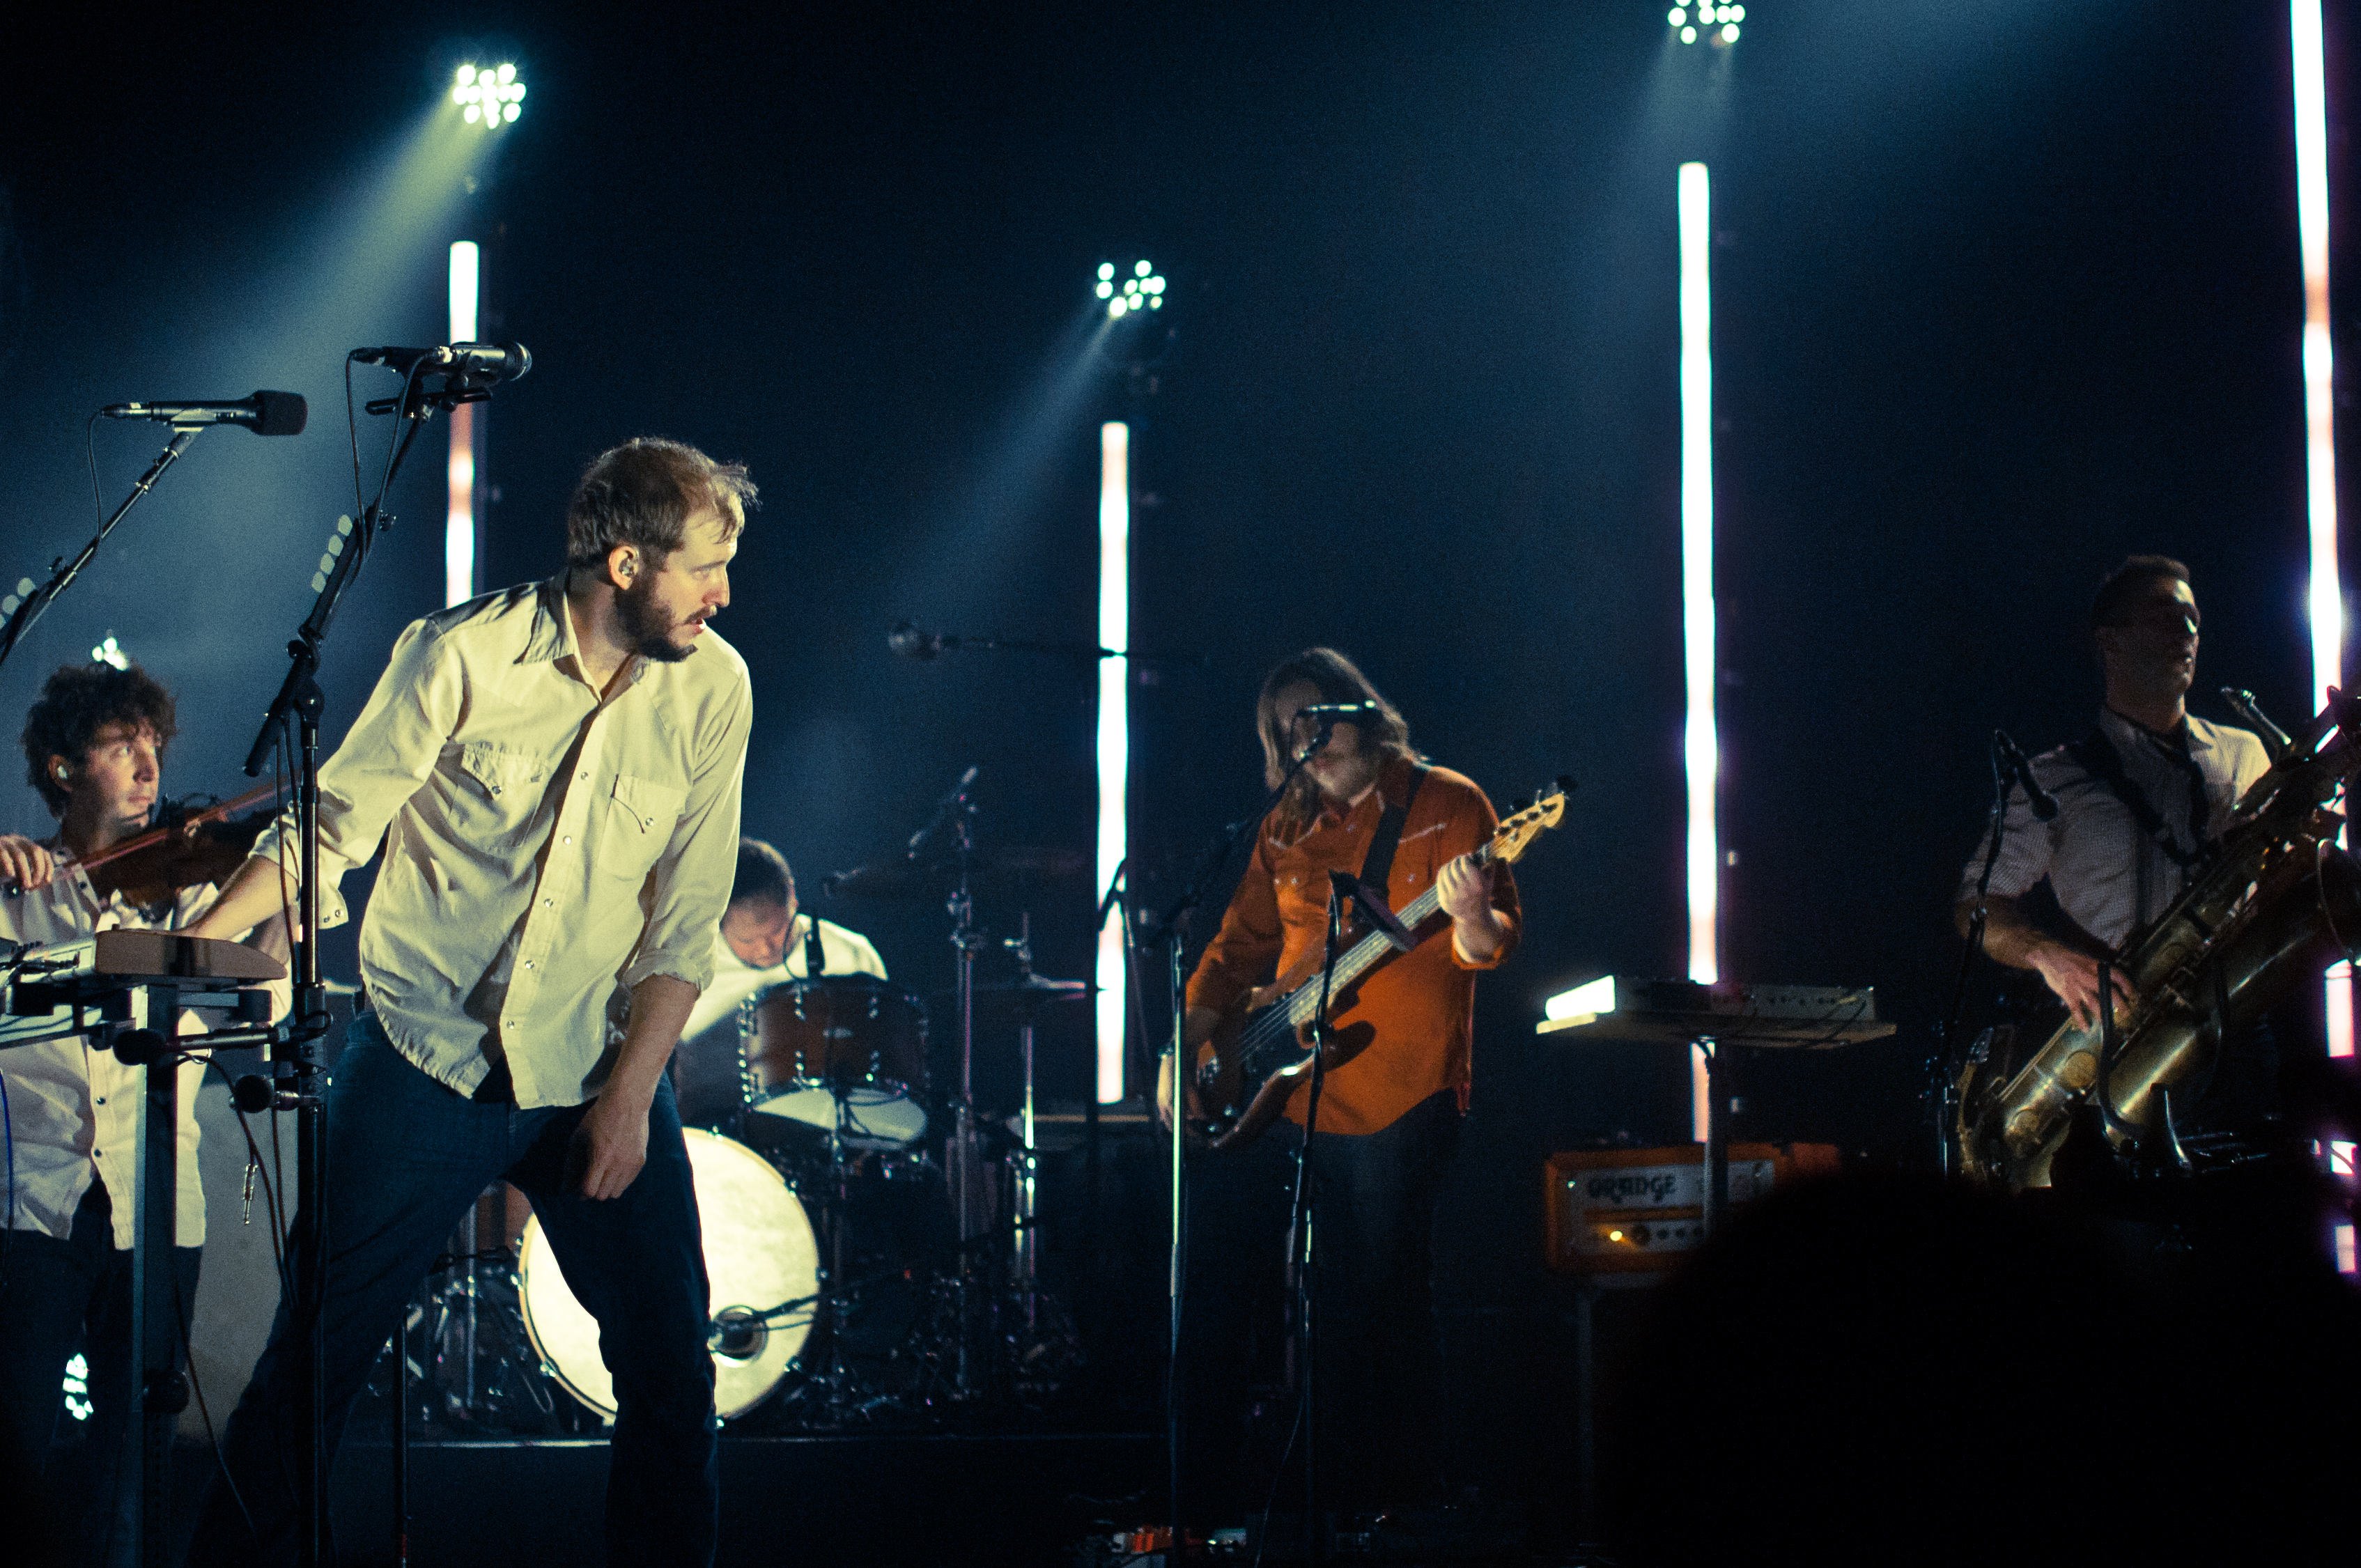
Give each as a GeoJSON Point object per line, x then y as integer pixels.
{"type": "Point", "coordinates": [1025, 1259]}
{"type": "Point", "coordinates": [1172, 929]}
{"type": "Point", "coordinates": [971, 1198]}
{"type": "Point", "coordinates": [839, 1392]}
{"type": "Point", "coordinates": [1043, 1346]}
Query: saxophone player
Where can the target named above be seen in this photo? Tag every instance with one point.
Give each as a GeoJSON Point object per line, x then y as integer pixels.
{"type": "Point", "coordinates": [2138, 801]}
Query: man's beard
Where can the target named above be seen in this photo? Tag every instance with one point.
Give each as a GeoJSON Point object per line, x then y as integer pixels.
{"type": "Point", "coordinates": [644, 627]}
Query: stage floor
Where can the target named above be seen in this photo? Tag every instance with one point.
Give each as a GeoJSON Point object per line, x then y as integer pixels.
{"type": "Point", "coordinates": [804, 1500]}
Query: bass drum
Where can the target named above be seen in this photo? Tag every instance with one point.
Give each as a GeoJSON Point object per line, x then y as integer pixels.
{"type": "Point", "coordinates": [759, 1254]}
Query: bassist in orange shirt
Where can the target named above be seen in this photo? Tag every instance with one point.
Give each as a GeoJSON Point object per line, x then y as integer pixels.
{"type": "Point", "coordinates": [1395, 1086]}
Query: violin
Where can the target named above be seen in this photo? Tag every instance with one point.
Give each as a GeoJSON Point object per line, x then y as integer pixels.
{"type": "Point", "coordinates": [185, 849]}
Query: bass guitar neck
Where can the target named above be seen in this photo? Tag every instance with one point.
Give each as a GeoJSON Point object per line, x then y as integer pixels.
{"type": "Point", "coordinates": [1263, 1050]}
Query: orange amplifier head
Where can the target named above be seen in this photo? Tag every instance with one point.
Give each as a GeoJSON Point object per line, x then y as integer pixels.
{"type": "Point", "coordinates": [1634, 1211]}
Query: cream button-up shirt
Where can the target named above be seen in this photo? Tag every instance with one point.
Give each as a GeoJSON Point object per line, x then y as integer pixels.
{"type": "Point", "coordinates": [73, 1112]}
{"type": "Point", "coordinates": [546, 850]}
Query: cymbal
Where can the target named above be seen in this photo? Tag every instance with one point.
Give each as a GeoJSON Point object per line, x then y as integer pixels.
{"type": "Point", "coordinates": [1034, 859]}
{"type": "Point", "coordinates": [927, 879]}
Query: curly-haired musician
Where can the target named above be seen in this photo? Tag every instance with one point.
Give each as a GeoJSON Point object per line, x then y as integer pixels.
{"type": "Point", "coordinates": [95, 750]}
{"type": "Point", "coordinates": [555, 770]}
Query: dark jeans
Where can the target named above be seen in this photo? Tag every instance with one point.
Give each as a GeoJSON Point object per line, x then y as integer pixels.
{"type": "Point", "coordinates": [406, 1157]}
{"type": "Point", "coordinates": [1377, 1359]}
{"type": "Point", "coordinates": [65, 1477]}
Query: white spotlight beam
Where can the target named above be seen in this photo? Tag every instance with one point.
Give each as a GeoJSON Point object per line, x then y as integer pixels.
{"type": "Point", "coordinates": [2326, 594]}
{"type": "Point", "coordinates": [1114, 737]}
{"type": "Point", "coordinates": [1700, 746]}
{"type": "Point", "coordinates": [459, 512]}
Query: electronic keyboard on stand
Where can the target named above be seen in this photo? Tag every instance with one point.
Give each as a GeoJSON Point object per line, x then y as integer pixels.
{"type": "Point", "coordinates": [1710, 1017]}
{"type": "Point", "coordinates": [95, 987]}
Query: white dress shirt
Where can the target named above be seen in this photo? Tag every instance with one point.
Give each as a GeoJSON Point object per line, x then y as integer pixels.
{"type": "Point", "coordinates": [73, 1112]}
{"type": "Point", "coordinates": [2110, 877]}
{"type": "Point", "coordinates": [734, 980]}
{"type": "Point", "coordinates": [545, 851]}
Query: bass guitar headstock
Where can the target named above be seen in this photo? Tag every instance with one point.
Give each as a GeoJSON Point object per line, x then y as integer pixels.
{"type": "Point", "coordinates": [1527, 823]}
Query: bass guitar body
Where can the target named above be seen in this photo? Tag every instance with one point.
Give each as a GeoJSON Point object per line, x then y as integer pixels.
{"type": "Point", "coordinates": [1262, 1052]}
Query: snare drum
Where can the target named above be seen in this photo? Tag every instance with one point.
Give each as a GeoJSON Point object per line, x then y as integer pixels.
{"type": "Point", "coordinates": [759, 1256]}
{"type": "Point", "coordinates": [839, 1052]}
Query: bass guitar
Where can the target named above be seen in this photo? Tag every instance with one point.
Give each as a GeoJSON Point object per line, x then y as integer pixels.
{"type": "Point", "coordinates": [1263, 1048]}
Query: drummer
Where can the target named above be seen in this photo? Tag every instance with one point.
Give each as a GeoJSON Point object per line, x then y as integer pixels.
{"type": "Point", "coordinates": [763, 939]}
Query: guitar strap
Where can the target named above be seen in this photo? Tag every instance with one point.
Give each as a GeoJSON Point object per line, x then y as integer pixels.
{"type": "Point", "coordinates": [1379, 863]}
{"type": "Point", "coordinates": [2099, 757]}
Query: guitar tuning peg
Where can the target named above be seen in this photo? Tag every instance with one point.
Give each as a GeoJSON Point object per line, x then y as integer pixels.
{"type": "Point", "coordinates": [1522, 803]}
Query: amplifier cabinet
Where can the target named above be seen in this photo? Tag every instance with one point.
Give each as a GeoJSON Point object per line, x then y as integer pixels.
{"type": "Point", "coordinates": [1636, 1211]}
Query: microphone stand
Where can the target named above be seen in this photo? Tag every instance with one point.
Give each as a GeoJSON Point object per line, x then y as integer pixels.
{"type": "Point", "coordinates": [293, 721]}
{"type": "Point", "coordinates": [907, 640]}
{"type": "Point", "coordinates": [1306, 1257]}
{"type": "Point", "coordinates": [61, 575]}
{"type": "Point", "coordinates": [1944, 1065]}
{"type": "Point", "coordinates": [1171, 931]}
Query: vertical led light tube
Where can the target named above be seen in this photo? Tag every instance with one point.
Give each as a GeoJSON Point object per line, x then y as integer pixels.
{"type": "Point", "coordinates": [1115, 735]}
{"type": "Point", "coordinates": [2327, 596]}
{"type": "Point", "coordinates": [1700, 748]}
{"type": "Point", "coordinates": [459, 512]}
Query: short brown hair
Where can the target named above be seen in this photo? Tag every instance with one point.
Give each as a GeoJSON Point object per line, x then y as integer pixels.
{"type": "Point", "coordinates": [1337, 679]}
{"type": "Point", "coordinates": [643, 492]}
{"type": "Point", "coordinates": [763, 872]}
{"type": "Point", "coordinates": [75, 704]}
{"type": "Point", "coordinates": [2124, 584]}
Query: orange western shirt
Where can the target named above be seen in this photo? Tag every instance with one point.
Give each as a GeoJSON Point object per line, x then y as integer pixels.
{"type": "Point", "coordinates": [1416, 1008]}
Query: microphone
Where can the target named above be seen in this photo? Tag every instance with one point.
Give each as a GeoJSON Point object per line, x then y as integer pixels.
{"type": "Point", "coordinates": [907, 640]}
{"type": "Point", "coordinates": [2013, 763]}
{"type": "Point", "coordinates": [488, 362]}
{"type": "Point", "coordinates": [1360, 895]}
{"type": "Point", "coordinates": [1327, 713]}
{"type": "Point", "coordinates": [265, 413]}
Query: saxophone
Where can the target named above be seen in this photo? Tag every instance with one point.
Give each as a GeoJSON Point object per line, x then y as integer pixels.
{"type": "Point", "coordinates": [2276, 902]}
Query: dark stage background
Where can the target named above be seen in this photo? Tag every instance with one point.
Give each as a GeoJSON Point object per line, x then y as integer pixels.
{"type": "Point", "coordinates": [2002, 292]}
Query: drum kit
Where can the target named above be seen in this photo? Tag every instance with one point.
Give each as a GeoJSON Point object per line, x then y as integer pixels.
{"type": "Point", "coordinates": [869, 1243]}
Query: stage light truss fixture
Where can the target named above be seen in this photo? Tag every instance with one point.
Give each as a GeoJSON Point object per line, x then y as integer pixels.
{"type": "Point", "coordinates": [1711, 24]}
{"type": "Point", "coordinates": [111, 652]}
{"type": "Point", "coordinates": [1142, 289]}
{"type": "Point", "coordinates": [489, 97]}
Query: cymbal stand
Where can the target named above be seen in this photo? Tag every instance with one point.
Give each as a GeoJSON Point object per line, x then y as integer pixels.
{"type": "Point", "coordinates": [971, 1194]}
{"type": "Point", "coordinates": [1025, 1262]}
